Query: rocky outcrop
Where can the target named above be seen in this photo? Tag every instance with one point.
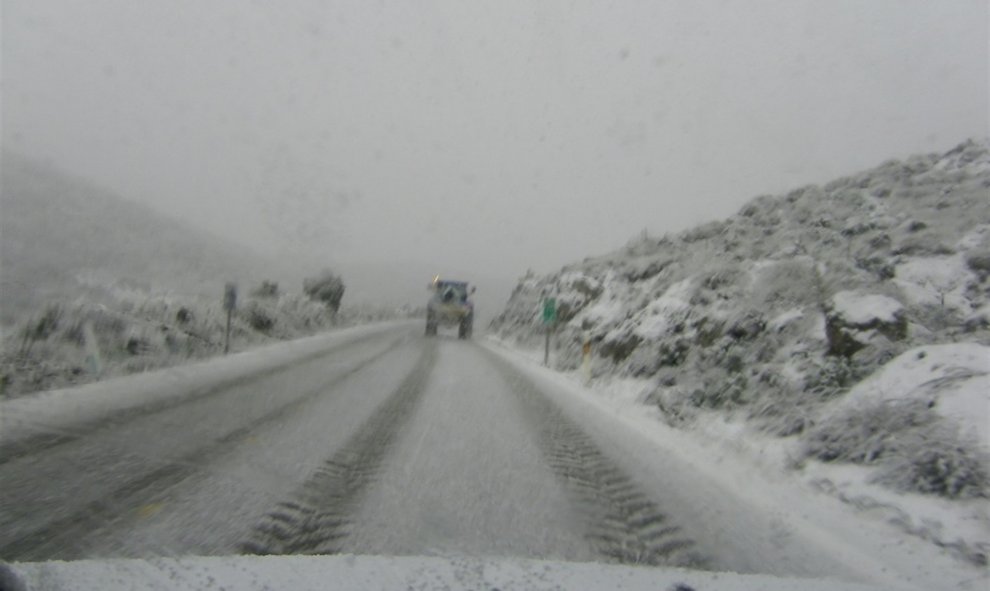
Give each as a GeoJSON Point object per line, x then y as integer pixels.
{"type": "Point", "coordinates": [854, 319]}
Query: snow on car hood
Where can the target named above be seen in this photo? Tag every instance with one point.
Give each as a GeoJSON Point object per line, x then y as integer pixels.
{"type": "Point", "coordinates": [348, 572]}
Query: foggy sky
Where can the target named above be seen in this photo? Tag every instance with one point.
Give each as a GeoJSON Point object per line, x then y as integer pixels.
{"type": "Point", "coordinates": [494, 136]}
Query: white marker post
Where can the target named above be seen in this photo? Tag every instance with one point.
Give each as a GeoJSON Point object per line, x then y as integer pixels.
{"type": "Point", "coordinates": [94, 361]}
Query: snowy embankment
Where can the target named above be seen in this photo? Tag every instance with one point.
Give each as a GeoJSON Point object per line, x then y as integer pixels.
{"type": "Point", "coordinates": [953, 382]}
{"type": "Point", "coordinates": [126, 331]}
{"type": "Point", "coordinates": [57, 411]}
{"type": "Point", "coordinates": [811, 503]}
{"type": "Point", "coordinates": [838, 334]}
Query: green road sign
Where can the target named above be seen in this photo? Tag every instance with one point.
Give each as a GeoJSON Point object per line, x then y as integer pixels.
{"type": "Point", "coordinates": [549, 311]}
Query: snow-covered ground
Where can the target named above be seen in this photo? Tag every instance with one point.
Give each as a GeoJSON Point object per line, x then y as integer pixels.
{"type": "Point", "coordinates": [730, 491]}
{"type": "Point", "coordinates": [839, 506]}
{"type": "Point", "coordinates": [461, 503]}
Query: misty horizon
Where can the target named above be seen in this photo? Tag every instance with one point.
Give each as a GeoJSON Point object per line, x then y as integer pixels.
{"type": "Point", "coordinates": [490, 139]}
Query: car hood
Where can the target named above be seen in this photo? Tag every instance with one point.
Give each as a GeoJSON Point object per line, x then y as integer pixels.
{"type": "Point", "coordinates": [381, 572]}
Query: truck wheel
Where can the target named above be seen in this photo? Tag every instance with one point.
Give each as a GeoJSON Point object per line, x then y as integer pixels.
{"type": "Point", "coordinates": [431, 326]}
{"type": "Point", "coordinates": [465, 328]}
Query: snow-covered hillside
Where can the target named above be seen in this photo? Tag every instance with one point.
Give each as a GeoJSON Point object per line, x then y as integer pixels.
{"type": "Point", "coordinates": [775, 318]}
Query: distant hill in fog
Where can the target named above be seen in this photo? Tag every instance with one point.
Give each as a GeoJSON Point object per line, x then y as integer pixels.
{"type": "Point", "coordinates": [62, 237]}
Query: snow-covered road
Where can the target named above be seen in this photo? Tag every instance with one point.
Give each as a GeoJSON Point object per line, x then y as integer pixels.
{"type": "Point", "coordinates": [389, 443]}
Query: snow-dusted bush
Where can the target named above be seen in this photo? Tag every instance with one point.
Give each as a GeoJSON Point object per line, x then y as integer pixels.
{"type": "Point", "coordinates": [746, 326]}
{"type": "Point", "coordinates": [865, 434]}
{"type": "Point", "coordinates": [923, 244]}
{"type": "Point", "coordinates": [880, 267]}
{"type": "Point", "coordinates": [184, 315]}
{"type": "Point", "coordinates": [267, 289]}
{"type": "Point", "coordinates": [778, 411]}
{"type": "Point", "coordinates": [41, 328]}
{"type": "Point", "coordinates": [619, 345]}
{"type": "Point", "coordinates": [257, 317]}
{"type": "Point", "coordinates": [708, 332]}
{"type": "Point", "coordinates": [937, 461]}
{"type": "Point", "coordinates": [674, 403]}
{"type": "Point", "coordinates": [722, 391]}
{"type": "Point", "coordinates": [704, 232]}
{"type": "Point", "coordinates": [979, 262]}
{"type": "Point", "coordinates": [787, 282]}
{"type": "Point", "coordinates": [574, 291]}
{"type": "Point", "coordinates": [916, 450]}
{"type": "Point", "coordinates": [327, 288]}
{"type": "Point", "coordinates": [831, 378]}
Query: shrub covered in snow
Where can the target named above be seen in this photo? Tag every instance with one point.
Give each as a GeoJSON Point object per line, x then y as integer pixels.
{"type": "Point", "coordinates": [915, 448]}
{"type": "Point", "coordinates": [864, 435]}
{"type": "Point", "coordinates": [327, 288]}
{"type": "Point", "coordinates": [258, 317]}
{"type": "Point", "coordinates": [267, 289]}
{"type": "Point", "coordinates": [938, 462]}
{"type": "Point", "coordinates": [979, 263]}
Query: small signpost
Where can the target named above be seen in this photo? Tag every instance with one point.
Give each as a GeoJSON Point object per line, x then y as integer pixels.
{"type": "Point", "coordinates": [549, 320]}
{"type": "Point", "coordinates": [229, 303]}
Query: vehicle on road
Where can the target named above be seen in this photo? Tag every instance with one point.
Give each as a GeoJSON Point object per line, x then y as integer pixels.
{"type": "Point", "coordinates": [450, 305]}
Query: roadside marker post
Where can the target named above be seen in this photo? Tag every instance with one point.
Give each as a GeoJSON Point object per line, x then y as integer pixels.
{"type": "Point", "coordinates": [94, 361]}
{"type": "Point", "coordinates": [229, 303]}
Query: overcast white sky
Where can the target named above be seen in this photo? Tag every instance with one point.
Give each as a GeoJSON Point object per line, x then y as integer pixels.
{"type": "Point", "coordinates": [495, 135]}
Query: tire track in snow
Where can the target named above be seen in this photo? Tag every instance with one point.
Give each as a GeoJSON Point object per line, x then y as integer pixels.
{"type": "Point", "coordinates": [318, 519]}
{"type": "Point", "coordinates": [623, 523]}
{"type": "Point", "coordinates": [50, 540]}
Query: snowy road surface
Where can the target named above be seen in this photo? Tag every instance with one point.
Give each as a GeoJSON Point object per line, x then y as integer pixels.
{"type": "Point", "coordinates": [385, 443]}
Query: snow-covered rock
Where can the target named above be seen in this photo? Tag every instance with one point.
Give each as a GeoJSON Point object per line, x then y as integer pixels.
{"type": "Point", "coordinates": [855, 319]}
{"type": "Point", "coordinates": [866, 310]}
